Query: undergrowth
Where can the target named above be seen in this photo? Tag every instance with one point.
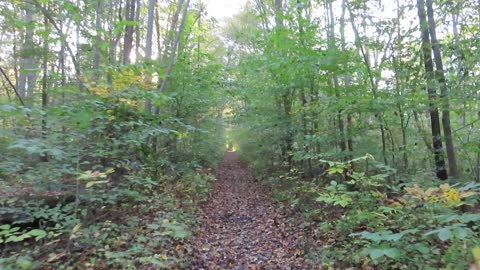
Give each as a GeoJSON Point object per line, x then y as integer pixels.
{"type": "Point", "coordinates": [108, 188]}
{"type": "Point", "coordinates": [364, 218]}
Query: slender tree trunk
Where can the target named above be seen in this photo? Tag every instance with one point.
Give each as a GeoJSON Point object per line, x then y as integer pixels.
{"type": "Point", "coordinates": [279, 13]}
{"type": "Point", "coordinates": [175, 45]}
{"type": "Point", "coordinates": [112, 44]}
{"type": "Point", "coordinates": [398, 89]}
{"type": "Point", "coordinates": [373, 81]}
{"type": "Point", "coordinates": [98, 37]}
{"type": "Point", "coordinates": [63, 76]}
{"type": "Point", "coordinates": [332, 46]}
{"type": "Point", "coordinates": [148, 45]}
{"type": "Point", "coordinates": [347, 82]}
{"type": "Point", "coordinates": [477, 169]}
{"type": "Point", "coordinates": [157, 31]}
{"type": "Point", "coordinates": [285, 102]}
{"type": "Point", "coordinates": [169, 38]}
{"type": "Point", "coordinates": [287, 108]}
{"type": "Point", "coordinates": [445, 104]}
{"type": "Point", "coordinates": [44, 156]}
{"type": "Point", "coordinates": [137, 30]}
{"type": "Point", "coordinates": [129, 29]}
{"type": "Point", "coordinates": [28, 75]}
{"type": "Point", "coordinates": [15, 53]}
{"type": "Point", "coordinates": [173, 53]}
{"type": "Point", "coordinates": [76, 66]}
{"type": "Point", "coordinates": [432, 94]}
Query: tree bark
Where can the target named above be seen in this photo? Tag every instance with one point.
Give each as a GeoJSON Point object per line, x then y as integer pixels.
{"type": "Point", "coordinates": [44, 156]}
{"type": "Point", "coordinates": [445, 104]}
{"type": "Point", "coordinates": [98, 38]}
{"type": "Point", "coordinates": [129, 29]}
{"type": "Point", "coordinates": [138, 33]}
{"type": "Point", "coordinates": [148, 45]}
{"type": "Point", "coordinates": [175, 46]}
{"type": "Point", "coordinates": [28, 75]}
{"type": "Point", "coordinates": [432, 93]}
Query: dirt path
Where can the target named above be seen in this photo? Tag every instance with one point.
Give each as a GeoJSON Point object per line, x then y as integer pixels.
{"type": "Point", "coordinates": [241, 228]}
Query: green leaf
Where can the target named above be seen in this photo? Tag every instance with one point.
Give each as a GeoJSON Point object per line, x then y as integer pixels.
{"type": "Point", "coordinates": [14, 229]}
{"type": "Point", "coordinates": [422, 248]}
{"type": "Point", "coordinates": [153, 226]}
{"type": "Point", "coordinates": [39, 234]}
{"type": "Point", "coordinates": [13, 238]}
{"type": "Point", "coordinates": [376, 254]}
{"type": "Point", "coordinates": [461, 233]}
{"type": "Point", "coordinates": [444, 234]}
{"type": "Point", "coordinates": [5, 227]}
{"type": "Point", "coordinates": [393, 253]}
{"type": "Point", "coordinates": [181, 234]}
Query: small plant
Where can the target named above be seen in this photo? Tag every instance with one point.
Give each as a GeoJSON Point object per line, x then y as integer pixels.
{"type": "Point", "coordinates": [337, 195]}
{"type": "Point", "coordinates": [9, 234]}
{"type": "Point", "coordinates": [444, 194]}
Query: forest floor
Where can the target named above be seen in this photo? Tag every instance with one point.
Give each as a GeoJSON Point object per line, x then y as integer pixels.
{"type": "Point", "coordinates": [241, 228]}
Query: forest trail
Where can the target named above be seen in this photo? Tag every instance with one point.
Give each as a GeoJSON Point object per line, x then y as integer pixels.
{"type": "Point", "coordinates": [240, 227]}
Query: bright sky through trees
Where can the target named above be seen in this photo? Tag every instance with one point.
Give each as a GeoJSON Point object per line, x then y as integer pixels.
{"type": "Point", "coordinates": [224, 8]}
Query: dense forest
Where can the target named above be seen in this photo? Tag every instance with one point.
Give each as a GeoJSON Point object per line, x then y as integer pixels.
{"type": "Point", "coordinates": [295, 134]}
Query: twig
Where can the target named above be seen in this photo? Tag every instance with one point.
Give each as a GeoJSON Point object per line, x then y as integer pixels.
{"type": "Point", "coordinates": [12, 86]}
{"type": "Point", "coordinates": [467, 125]}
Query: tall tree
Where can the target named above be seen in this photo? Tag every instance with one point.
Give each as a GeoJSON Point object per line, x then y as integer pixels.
{"type": "Point", "coordinates": [175, 45]}
{"type": "Point", "coordinates": [129, 30]}
{"type": "Point", "coordinates": [440, 169]}
{"type": "Point", "coordinates": [148, 44]}
{"type": "Point", "coordinates": [98, 37]}
{"type": "Point", "coordinates": [28, 62]}
{"type": "Point", "coordinates": [444, 96]}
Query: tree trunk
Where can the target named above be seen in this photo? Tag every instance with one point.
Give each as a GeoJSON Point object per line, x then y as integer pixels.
{"type": "Point", "coordinates": [129, 29]}
{"type": "Point", "coordinates": [148, 45]}
{"type": "Point", "coordinates": [175, 45]}
{"type": "Point", "coordinates": [373, 81]}
{"type": "Point", "coordinates": [331, 45]}
{"type": "Point", "coordinates": [137, 30]}
{"type": "Point", "coordinates": [28, 75]}
{"type": "Point", "coordinates": [98, 38]}
{"type": "Point", "coordinates": [432, 94]}
{"type": "Point", "coordinates": [44, 156]}
{"type": "Point", "coordinates": [347, 82]}
{"type": "Point", "coordinates": [173, 53]}
{"type": "Point", "coordinates": [445, 104]}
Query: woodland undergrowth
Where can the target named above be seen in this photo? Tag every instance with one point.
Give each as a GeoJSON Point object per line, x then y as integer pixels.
{"type": "Point", "coordinates": [355, 214]}
{"type": "Point", "coordinates": [95, 193]}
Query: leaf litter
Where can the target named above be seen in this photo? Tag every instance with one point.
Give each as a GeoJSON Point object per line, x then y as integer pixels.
{"type": "Point", "coordinates": [240, 227]}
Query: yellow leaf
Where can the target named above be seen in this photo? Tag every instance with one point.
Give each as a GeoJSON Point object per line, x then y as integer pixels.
{"type": "Point", "coordinates": [476, 255]}
{"type": "Point", "coordinates": [91, 183]}
{"type": "Point", "coordinates": [445, 187]}
{"type": "Point", "coordinates": [429, 192]}
{"type": "Point", "coordinates": [467, 194]}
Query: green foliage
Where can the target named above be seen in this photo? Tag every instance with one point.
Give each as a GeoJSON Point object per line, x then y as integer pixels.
{"type": "Point", "coordinates": [13, 234]}
{"type": "Point", "coordinates": [336, 194]}
{"type": "Point", "coordinates": [358, 224]}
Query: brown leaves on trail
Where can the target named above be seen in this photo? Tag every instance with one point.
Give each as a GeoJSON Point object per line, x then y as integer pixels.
{"type": "Point", "coordinates": [241, 229]}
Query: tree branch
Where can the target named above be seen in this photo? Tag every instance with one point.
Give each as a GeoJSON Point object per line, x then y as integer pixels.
{"type": "Point", "coordinates": [63, 39]}
{"type": "Point", "coordinates": [12, 86]}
